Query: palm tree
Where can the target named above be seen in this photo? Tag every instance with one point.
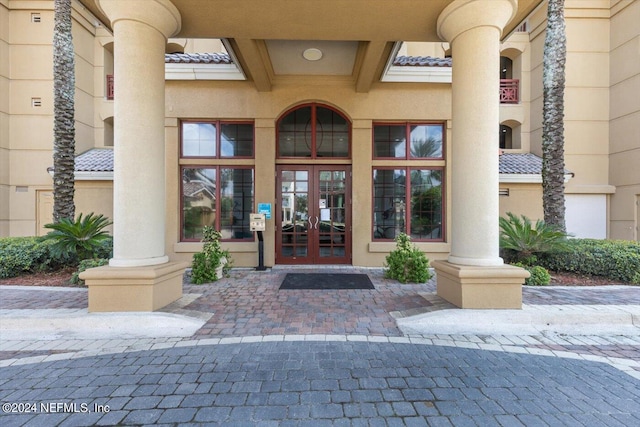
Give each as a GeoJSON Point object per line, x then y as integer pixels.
{"type": "Point", "coordinates": [553, 80]}
{"type": "Point", "coordinates": [64, 112]}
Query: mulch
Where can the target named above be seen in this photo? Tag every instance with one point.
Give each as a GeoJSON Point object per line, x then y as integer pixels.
{"type": "Point", "coordinates": [49, 278]}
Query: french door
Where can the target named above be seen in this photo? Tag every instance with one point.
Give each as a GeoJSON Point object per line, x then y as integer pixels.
{"type": "Point", "coordinates": [315, 214]}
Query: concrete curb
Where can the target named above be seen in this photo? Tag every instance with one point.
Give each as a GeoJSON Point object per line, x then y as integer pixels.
{"type": "Point", "coordinates": [570, 319]}
{"type": "Point", "coordinates": [79, 324]}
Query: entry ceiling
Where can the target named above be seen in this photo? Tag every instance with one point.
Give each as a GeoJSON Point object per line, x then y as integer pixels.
{"type": "Point", "coordinates": [355, 37]}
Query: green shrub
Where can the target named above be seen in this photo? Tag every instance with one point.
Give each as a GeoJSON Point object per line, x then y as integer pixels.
{"type": "Point", "coordinates": [20, 255]}
{"type": "Point", "coordinates": [79, 239]}
{"type": "Point", "coordinates": [522, 242]}
{"type": "Point", "coordinates": [86, 264]}
{"type": "Point", "coordinates": [614, 259]}
{"type": "Point", "coordinates": [205, 263]}
{"type": "Point", "coordinates": [539, 275]}
{"type": "Point", "coordinates": [407, 263]}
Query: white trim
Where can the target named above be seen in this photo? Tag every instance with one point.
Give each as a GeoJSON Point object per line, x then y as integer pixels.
{"type": "Point", "coordinates": [232, 55]}
{"type": "Point", "coordinates": [94, 176]}
{"type": "Point", "coordinates": [417, 74]}
{"type": "Point", "coordinates": [178, 71]}
{"type": "Point", "coordinates": [525, 178]}
{"type": "Point", "coordinates": [91, 176]}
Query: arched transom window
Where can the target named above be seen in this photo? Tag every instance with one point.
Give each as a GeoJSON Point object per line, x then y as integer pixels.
{"type": "Point", "coordinates": [313, 131]}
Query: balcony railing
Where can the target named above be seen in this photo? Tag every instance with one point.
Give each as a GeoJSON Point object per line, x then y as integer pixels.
{"type": "Point", "coordinates": [509, 91]}
{"type": "Point", "coordinates": [110, 87]}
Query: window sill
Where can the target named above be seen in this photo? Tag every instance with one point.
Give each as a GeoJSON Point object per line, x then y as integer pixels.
{"type": "Point", "coordinates": [233, 247]}
{"type": "Point", "coordinates": [428, 247]}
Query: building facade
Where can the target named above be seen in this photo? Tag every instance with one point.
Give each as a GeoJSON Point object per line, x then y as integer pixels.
{"type": "Point", "coordinates": [344, 132]}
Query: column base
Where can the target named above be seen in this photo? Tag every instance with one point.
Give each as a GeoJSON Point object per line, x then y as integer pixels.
{"type": "Point", "coordinates": [145, 288]}
{"type": "Point", "coordinates": [480, 287]}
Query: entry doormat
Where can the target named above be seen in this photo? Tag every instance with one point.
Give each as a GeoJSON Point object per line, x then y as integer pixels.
{"type": "Point", "coordinates": [321, 281]}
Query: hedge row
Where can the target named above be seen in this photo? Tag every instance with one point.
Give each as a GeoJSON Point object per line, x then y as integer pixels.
{"type": "Point", "coordinates": [20, 255]}
{"type": "Point", "coordinates": [615, 259]}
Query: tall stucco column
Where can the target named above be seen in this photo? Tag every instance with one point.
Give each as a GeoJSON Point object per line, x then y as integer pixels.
{"type": "Point", "coordinates": [140, 29]}
{"type": "Point", "coordinates": [139, 277]}
{"type": "Point", "coordinates": [474, 28]}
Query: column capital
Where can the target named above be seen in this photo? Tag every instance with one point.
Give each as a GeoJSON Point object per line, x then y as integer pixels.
{"type": "Point", "coordinates": [463, 15]}
{"type": "Point", "coordinates": [159, 14]}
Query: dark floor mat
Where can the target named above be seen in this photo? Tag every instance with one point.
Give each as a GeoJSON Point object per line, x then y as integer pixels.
{"type": "Point", "coordinates": [326, 281]}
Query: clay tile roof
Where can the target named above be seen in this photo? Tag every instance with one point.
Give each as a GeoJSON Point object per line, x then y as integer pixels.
{"type": "Point", "coordinates": [524, 163]}
{"type": "Point", "coordinates": [101, 160]}
{"type": "Point", "coordinates": [421, 61]}
{"type": "Point", "coordinates": [95, 160]}
{"type": "Point", "coordinates": [197, 58]}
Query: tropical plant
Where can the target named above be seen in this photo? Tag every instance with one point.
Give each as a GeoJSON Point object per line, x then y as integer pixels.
{"type": "Point", "coordinates": [407, 263]}
{"type": "Point", "coordinates": [84, 265]}
{"type": "Point", "coordinates": [521, 241]}
{"type": "Point", "coordinates": [79, 239]}
{"type": "Point", "coordinates": [553, 82]}
{"type": "Point", "coordinates": [207, 264]}
{"type": "Point", "coordinates": [64, 113]}
{"type": "Point", "coordinates": [538, 276]}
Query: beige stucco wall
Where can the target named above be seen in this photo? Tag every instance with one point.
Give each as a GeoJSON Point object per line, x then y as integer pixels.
{"type": "Point", "coordinates": [523, 199]}
{"type": "Point", "coordinates": [517, 116]}
{"type": "Point", "coordinates": [90, 197]}
{"type": "Point", "coordinates": [96, 197]}
{"type": "Point", "coordinates": [239, 100]}
{"type": "Point", "coordinates": [4, 118]}
{"type": "Point", "coordinates": [601, 132]}
{"type": "Point", "coordinates": [586, 91]}
{"type": "Point", "coordinates": [30, 127]}
{"type": "Point", "coordinates": [624, 131]}
{"type": "Point", "coordinates": [26, 131]}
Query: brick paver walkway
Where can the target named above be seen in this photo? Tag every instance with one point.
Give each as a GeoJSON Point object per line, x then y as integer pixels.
{"type": "Point", "coordinates": [250, 303]}
{"type": "Point", "coordinates": [322, 384]}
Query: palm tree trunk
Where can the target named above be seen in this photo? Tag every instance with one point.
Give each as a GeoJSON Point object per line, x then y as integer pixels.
{"type": "Point", "coordinates": [64, 113]}
{"type": "Point", "coordinates": [553, 76]}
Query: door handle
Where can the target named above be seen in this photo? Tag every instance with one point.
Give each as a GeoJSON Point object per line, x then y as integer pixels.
{"type": "Point", "coordinates": [317, 220]}
{"type": "Point", "coordinates": [310, 223]}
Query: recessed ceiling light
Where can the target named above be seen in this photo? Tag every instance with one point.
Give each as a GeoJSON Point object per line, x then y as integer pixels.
{"type": "Point", "coordinates": [312, 54]}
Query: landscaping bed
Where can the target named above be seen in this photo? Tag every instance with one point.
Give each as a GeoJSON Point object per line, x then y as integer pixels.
{"type": "Point", "coordinates": [62, 277]}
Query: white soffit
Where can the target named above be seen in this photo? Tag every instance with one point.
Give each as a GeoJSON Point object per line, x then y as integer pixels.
{"type": "Point", "coordinates": [174, 71]}
{"type": "Point", "coordinates": [525, 178]}
{"type": "Point", "coordinates": [337, 58]}
{"type": "Point", "coordinates": [417, 74]}
{"type": "Point", "coordinates": [413, 74]}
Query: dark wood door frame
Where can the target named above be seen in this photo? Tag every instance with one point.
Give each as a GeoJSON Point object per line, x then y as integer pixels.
{"type": "Point", "coordinates": [313, 214]}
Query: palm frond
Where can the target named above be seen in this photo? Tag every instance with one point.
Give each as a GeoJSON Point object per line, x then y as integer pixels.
{"type": "Point", "coordinates": [80, 238]}
{"type": "Point", "coordinates": [519, 235]}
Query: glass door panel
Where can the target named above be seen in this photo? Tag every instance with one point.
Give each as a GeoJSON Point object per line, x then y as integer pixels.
{"type": "Point", "coordinates": [294, 214]}
{"type": "Point", "coordinates": [314, 215]}
{"type": "Point", "coordinates": [331, 205]}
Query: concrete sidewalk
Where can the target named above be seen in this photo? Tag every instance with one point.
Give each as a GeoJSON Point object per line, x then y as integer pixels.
{"type": "Point", "coordinates": [39, 324]}
{"type": "Point", "coordinates": [531, 320]}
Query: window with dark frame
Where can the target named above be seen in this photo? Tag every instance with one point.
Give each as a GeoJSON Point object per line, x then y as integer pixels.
{"type": "Point", "coordinates": [408, 141]}
{"type": "Point", "coordinates": [217, 139]}
{"type": "Point", "coordinates": [216, 194]}
{"type": "Point", "coordinates": [313, 131]}
{"type": "Point", "coordinates": [408, 200]}
{"type": "Point", "coordinates": [408, 196]}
